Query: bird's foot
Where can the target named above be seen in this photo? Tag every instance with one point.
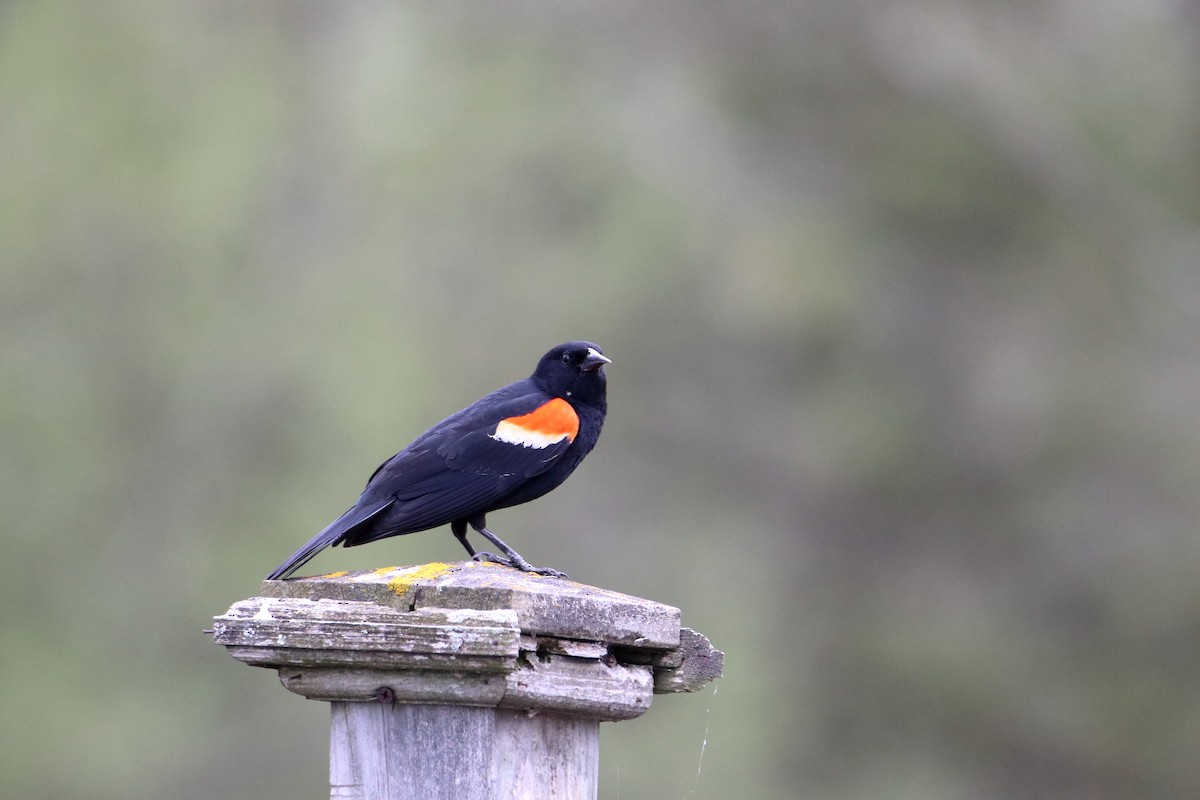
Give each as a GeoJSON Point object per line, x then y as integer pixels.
{"type": "Point", "coordinates": [483, 555]}
{"type": "Point", "coordinates": [518, 563]}
{"type": "Point", "coordinates": [549, 572]}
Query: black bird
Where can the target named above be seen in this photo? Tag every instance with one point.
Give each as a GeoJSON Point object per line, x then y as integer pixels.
{"type": "Point", "coordinates": [511, 447]}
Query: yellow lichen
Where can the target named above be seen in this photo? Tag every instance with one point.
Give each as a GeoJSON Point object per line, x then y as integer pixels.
{"type": "Point", "coordinates": [402, 583]}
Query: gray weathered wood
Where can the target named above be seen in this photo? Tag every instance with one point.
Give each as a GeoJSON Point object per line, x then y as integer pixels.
{"type": "Point", "coordinates": [689, 668]}
{"type": "Point", "coordinates": [552, 607]}
{"type": "Point", "coordinates": [271, 631]}
{"type": "Point", "coordinates": [428, 752]}
{"type": "Point", "coordinates": [469, 680]}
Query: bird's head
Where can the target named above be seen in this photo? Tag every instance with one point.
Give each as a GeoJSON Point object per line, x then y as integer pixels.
{"type": "Point", "coordinates": [573, 371]}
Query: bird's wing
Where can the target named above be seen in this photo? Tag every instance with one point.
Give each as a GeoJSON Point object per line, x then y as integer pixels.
{"type": "Point", "coordinates": [519, 436]}
{"type": "Point", "coordinates": [454, 471]}
{"type": "Point", "coordinates": [521, 444]}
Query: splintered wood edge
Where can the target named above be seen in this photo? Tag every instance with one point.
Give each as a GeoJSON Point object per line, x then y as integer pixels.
{"type": "Point", "coordinates": [699, 663]}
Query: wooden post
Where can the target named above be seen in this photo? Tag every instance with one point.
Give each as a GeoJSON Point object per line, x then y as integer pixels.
{"type": "Point", "coordinates": [470, 681]}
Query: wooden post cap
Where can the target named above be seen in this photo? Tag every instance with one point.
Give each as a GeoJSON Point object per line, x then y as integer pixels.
{"type": "Point", "coordinates": [468, 633]}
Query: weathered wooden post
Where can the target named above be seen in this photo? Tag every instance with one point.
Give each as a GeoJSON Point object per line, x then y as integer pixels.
{"type": "Point", "coordinates": [468, 680]}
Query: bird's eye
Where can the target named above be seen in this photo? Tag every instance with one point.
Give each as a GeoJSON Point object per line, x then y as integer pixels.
{"type": "Point", "coordinates": [566, 358]}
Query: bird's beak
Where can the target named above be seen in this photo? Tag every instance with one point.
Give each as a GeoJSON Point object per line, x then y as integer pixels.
{"type": "Point", "coordinates": [594, 361]}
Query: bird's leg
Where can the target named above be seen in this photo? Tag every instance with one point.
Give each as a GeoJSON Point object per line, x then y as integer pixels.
{"type": "Point", "coordinates": [459, 529]}
{"type": "Point", "coordinates": [511, 557]}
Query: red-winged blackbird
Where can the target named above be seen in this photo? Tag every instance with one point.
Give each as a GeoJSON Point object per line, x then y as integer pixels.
{"type": "Point", "coordinates": [511, 447]}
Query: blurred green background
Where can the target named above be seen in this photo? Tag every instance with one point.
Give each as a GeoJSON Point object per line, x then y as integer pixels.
{"type": "Point", "coordinates": [902, 299]}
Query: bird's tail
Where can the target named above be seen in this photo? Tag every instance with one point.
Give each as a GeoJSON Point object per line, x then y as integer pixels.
{"type": "Point", "coordinates": [333, 533]}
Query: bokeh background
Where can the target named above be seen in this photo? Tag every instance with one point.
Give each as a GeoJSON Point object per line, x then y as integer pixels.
{"type": "Point", "coordinates": [902, 299]}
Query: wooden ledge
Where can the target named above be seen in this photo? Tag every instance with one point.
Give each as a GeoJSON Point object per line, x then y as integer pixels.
{"type": "Point", "coordinates": [544, 606]}
{"type": "Point", "coordinates": [468, 633]}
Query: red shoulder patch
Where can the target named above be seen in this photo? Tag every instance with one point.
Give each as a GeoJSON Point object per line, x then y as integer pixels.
{"type": "Point", "coordinates": [547, 424]}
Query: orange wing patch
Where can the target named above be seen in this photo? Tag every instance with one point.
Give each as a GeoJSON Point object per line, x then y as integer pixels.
{"type": "Point", "coordinates": [547, 424]}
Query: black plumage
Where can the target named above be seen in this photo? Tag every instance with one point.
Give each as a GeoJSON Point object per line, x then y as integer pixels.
{"type": "Point", "coordinates": [510, 447]}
